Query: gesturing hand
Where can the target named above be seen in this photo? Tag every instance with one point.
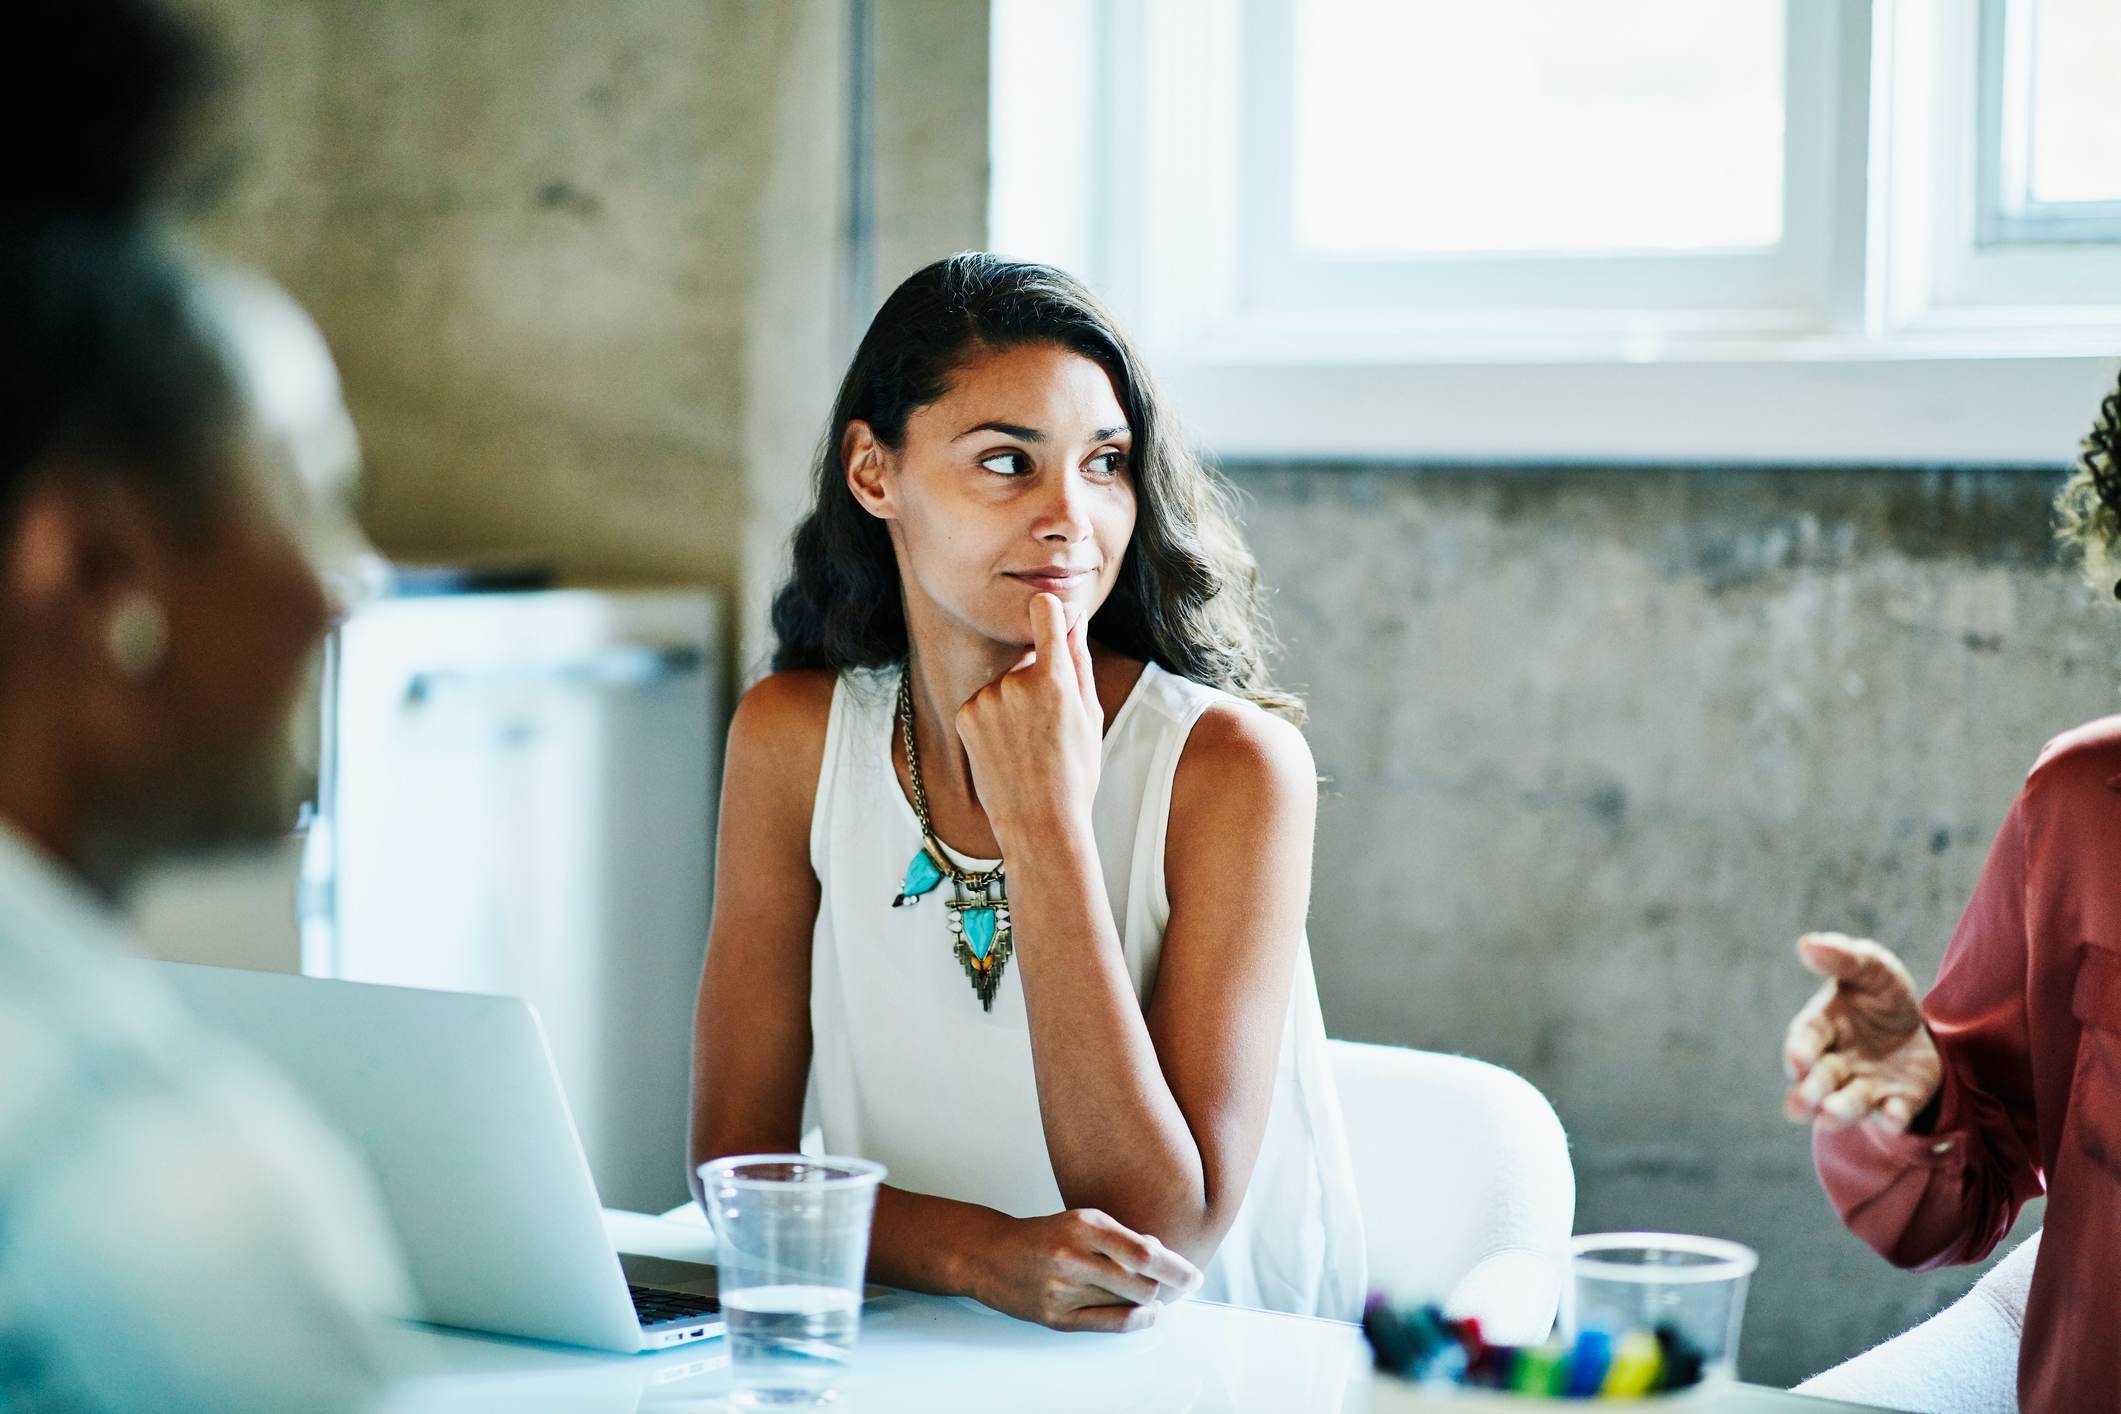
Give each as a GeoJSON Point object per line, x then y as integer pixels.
{"type": "Point", "coordinates": [1859, 1048]}
{"type": "Point", "coordinates": [1034, 735]}
{"type": "Point", "coordinates": [1082, 1270]}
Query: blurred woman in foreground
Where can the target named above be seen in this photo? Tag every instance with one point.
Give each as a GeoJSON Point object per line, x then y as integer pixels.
{"type": "Point", "coordinates": [176, 1232]}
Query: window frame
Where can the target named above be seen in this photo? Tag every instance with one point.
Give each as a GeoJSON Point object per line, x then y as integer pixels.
{"type": "Point", "coordinates": [1780, 287]}
{"type": "Point", "coordinates": [2008, 215]}
{"type": "Point", "coordinates": [1946, 276]}
{"type": "Point", "coordinates": [1919, 345]}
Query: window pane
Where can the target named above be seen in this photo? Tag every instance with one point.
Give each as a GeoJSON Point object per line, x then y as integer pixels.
{"type": "Point", "coordinates": [2076, 97]}
{"type": "Point", "coordinates": [1434, 126]}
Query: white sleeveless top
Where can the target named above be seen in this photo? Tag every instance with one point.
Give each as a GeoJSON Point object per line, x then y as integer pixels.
{"type": "Point", "coordinates": [908, 1070]}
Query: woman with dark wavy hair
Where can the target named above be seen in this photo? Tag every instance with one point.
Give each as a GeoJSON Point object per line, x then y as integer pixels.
{"type": "Point", "coordinates": [1016, 841]}
{"type": "Point", "coordinates": [1937, 1118]}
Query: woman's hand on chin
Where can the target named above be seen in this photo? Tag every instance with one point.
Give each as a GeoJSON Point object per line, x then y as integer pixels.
{"type": "Point", "coordinates": [1081, 1270]}
{"type": "Point", "coordinates": [1035, 734]}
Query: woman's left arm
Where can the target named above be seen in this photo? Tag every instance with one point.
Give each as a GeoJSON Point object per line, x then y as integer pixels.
{"type": "Point", "coordinates": [1157, 1118]}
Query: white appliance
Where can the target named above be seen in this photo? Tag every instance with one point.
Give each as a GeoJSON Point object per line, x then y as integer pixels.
{"type": "Point", "coordinates": [518, 799]}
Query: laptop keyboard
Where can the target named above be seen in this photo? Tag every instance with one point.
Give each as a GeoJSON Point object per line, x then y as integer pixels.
{"type": "Point", "coordinates": [657, 1307]}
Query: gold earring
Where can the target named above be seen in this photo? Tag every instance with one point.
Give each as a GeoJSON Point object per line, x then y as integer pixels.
{"type": "Point", "coordinates": [138, 637]}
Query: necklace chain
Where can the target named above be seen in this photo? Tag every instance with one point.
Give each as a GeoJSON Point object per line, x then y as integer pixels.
{"type": "Point", "coordinates": [969, 878]}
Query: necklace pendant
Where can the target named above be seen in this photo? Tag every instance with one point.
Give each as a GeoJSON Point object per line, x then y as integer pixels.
{"type": "Point", "coordinates": [982, 939]}
{"type": "Point", "coordinates": [922, 875]}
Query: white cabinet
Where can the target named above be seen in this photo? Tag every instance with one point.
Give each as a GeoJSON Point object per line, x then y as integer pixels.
{"type": "Point", "coordinates": [521, 800]}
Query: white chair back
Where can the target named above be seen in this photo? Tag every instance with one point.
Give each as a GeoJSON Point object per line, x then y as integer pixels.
{"type": "Point", "coordinates": [1463, 1173]}
{"type": "Point", "coordinates": [1963, 1360]}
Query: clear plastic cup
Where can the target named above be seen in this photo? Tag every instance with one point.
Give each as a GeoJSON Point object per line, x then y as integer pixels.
{"type": "Point", "coordinates": [791, 1241]}
{"type": "Point", "coordinates": [1623, 1281]}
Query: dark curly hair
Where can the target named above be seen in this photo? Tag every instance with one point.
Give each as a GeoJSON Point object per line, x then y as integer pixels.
{"type": "Point", "coordinates": [2088, 508]}
{"type": "Point", "coordinates": [1187, 596]}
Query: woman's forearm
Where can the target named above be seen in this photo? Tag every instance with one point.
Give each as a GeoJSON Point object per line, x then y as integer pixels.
{"type": "Point", "coordinates": [1114, 1132]}
{"type": "Point", "coordinates": [917, 1242]}
{"type": "Point", "coordinates": [923, 1243]}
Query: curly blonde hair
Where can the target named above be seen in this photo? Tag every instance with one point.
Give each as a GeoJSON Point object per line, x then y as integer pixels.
{"type": "Point", "coordinates": [2088, 508]}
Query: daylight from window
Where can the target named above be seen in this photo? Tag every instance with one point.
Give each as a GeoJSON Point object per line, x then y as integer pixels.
{"type": "Point", "coordinates": [2076, 102]}
{"type": "Point", "coordinates": [1563, 129]}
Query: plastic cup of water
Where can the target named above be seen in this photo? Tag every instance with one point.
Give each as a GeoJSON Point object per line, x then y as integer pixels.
{"type": "Point", "coordinates": [1623, 1281]}
{"type": "Point", "coordinates": [791, 1241]}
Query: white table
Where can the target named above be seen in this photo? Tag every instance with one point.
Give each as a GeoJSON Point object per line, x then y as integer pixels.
{"type": "Point", "coordinates": [936, 1355]}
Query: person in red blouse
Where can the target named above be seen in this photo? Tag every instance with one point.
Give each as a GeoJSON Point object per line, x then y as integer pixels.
{"type": "Point", "coordinates": [1935, 1120]}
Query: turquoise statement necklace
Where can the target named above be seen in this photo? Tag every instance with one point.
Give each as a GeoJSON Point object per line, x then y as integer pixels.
{"type": "Point", "coordinates": [979, 899]}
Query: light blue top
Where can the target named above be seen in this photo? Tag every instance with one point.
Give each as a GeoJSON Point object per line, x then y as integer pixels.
{"type": "Point", "coordinates": [176, 1231]}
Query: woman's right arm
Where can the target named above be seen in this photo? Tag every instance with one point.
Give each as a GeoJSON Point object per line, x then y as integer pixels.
{"type": "Point", "coordinates": [751, 1054]}
{"type": "Point", "coordinates": [1923, 1125]}
{"type": "Point", "coordinates": [751, 1029]}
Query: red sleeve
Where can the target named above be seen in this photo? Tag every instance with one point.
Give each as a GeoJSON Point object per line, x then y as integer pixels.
{"type": "Point", "coordinates": [1949, 1195]}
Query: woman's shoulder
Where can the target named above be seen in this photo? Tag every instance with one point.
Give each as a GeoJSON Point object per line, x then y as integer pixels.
{"type": "Point", "coordinates": [1244, 796]}
{"type": "Point", "coordinates": [2097, 742]}
{"type": "Point", "coordinates": [2076, 771]}
{"type": "Point", "coordinates": [1237, 748]}
{"type": "Point", "coordinates": [786, 716]}
{"type": "Point", "coordinates": [790, 700]}
{"type": "Point", "coordinates": [782, 719]}
{"type": "Point", "coordinates": [1218, 722]}
{"type": "Point", "coordinates": [1165, 699]}
{"type": "Point", "coordinates": [2065, 816]}
{"type": "Point", "coordinates": [2086, 757]}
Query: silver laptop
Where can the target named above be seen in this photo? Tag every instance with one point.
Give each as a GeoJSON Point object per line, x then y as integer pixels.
{"type": "Point", "coordinates": [453, 1100]}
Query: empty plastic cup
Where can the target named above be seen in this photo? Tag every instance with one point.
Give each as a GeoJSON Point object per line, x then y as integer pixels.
{"type": "Point", "coordinates": [792, 1240]}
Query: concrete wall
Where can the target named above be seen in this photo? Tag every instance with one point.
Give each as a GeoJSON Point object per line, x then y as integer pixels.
{"type": "Point", "coordinates": [1601, 745]}
{"type": "Point", "coordinates": [582, 262]}
{"type": "Point", "coordinates": [584, 265]}
{"type": "Point", "coordinates": [531, 245]}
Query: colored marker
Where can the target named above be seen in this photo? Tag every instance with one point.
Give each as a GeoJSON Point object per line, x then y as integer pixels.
{"type": "Point", "coordinates": [1588, 1362]}
{"type": "Point", "coordinates": [1539, 1369]}
{"type": "Point", "coordinates": [1637, 1363]}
